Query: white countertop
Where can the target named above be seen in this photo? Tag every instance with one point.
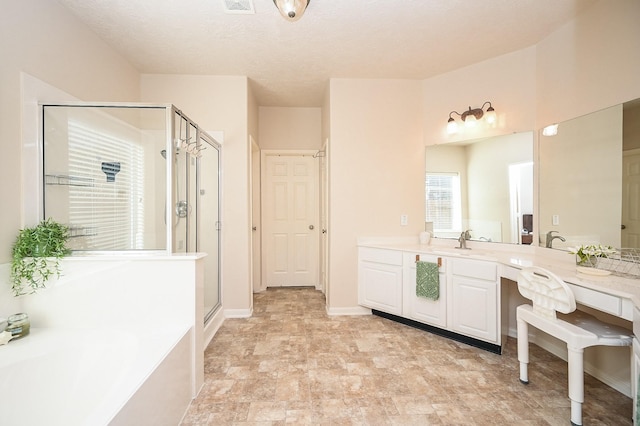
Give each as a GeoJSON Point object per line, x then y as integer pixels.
{"type": "Point", "coordinates": [517, 256]}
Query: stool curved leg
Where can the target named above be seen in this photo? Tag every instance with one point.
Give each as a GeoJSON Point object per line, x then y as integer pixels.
{"type": "Point", "coordinates": [576, 383]}
{"type": "Point", "coordinates": [523, 350]}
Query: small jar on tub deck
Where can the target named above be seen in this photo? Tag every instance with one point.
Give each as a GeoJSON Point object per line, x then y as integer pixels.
{"type": "Point", "coordinates": [18, 325]}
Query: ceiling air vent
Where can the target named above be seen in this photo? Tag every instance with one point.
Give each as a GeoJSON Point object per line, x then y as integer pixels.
{"type": "Point", "coordinates": [238, 6]}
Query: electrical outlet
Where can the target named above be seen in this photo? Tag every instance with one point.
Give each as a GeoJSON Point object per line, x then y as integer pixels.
{"type": "Point", "coordinates": [404, 220]}
{"type": "Point", "coordinates": [555, 219]}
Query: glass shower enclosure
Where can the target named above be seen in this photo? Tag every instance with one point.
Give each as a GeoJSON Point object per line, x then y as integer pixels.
{"type": "Point", "coordinates": [133, 178]}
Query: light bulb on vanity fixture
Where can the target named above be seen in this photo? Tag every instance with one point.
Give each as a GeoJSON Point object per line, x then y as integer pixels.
{"type": "Point", "coordinates": [550, 130]}
{"type": "Point", "coordinates": [291, 10]}
{"type": "Point", "coordinates": [471, 117]}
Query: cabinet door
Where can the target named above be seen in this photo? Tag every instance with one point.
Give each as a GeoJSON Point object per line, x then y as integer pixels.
{"type": "Point", "coordinates": [433, 312]}
{"type": "Point", "coordinates": [380, 280]}
{"type": "Point", "coordinates": [380, 287]}
{"type": "Point", "coordinates": [474, 308]}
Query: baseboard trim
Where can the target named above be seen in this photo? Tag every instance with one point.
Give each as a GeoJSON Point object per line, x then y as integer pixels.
{"type": "Point", "coordinates": [212, 326]}
{"type": "Point", "coordinates": [489, 347]}
{"type": "Point", "coordinates": [354, 310]}
{"type": "Point", "coordinates": [238, 313]}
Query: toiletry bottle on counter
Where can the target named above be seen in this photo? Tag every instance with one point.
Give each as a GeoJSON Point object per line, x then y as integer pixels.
{"type": "Point", "coordinates": [18, 325]}
{"type": "Point", "coordinates": [425, 237]}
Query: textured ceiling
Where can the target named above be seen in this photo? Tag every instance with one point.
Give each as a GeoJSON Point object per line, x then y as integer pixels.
{"type": "Point", "coordinates": [289, 64]}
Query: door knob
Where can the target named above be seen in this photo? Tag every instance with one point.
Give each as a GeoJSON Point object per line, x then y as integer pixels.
{"type": "Point", "coordinates": [311, 227]}
{"type": "Point", "coordinates": [623, 227]}
{"type": "Point", "coordinates": [255, 228]}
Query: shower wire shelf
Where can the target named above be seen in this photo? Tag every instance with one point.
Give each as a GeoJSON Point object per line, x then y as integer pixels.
{"type": "Point", "coordinates": [625, 262]}
{"type": "Point", "coordinates": [82, 231]}
{"type": "Point", "coordinates": [68, 180]}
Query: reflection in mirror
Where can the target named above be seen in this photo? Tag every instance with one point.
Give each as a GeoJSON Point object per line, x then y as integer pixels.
{"type": "Point", "coordinates": [590, 179]}
{"type": "Point", "coordinates": [485, 186]}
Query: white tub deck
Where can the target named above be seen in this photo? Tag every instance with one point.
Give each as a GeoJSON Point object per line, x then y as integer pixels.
{"type": "Point", "coordinates": [90, 377]}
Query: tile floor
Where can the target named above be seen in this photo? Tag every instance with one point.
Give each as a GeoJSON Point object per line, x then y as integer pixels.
{"type": "Point", "coordinates": [292, 364]}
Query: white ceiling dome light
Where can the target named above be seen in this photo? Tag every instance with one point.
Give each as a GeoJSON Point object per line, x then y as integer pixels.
{"type": "Point", "coordinates": [291, 10]}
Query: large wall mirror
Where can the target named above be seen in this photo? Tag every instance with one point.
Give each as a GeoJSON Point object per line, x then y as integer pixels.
{"type": "Point", "coordinates": [485, 186]}
{"type": "Point", "coordinates": [589, 186]}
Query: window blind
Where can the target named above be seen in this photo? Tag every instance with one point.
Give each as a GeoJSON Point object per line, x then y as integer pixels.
{"type": "Point", "coordinates": [443, 201]}
{"type": "Point", "coordinates": [105, 215]}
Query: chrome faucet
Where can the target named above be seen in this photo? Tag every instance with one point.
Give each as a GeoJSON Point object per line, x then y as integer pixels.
{"type": "Point", "coordinates": [464, 236]}
{"type": "Point", "coordinates": [551, 237]}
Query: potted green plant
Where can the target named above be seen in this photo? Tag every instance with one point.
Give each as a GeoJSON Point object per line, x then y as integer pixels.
{"type": "Point", "coordinates": [36, 256]}
{"type": "Point", "coordinates": [587, 255]}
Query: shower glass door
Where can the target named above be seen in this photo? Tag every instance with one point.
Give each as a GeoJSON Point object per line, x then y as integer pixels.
{"type": "Point", "coordinates": [208, 223]}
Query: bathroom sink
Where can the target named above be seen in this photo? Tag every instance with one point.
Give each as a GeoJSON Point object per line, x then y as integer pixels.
{"type": "Point", "coordinates": [469, 254]}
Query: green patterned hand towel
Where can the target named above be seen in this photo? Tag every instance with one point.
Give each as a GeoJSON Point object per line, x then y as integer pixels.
{"type": "Point", "coordinates": [427, 280]}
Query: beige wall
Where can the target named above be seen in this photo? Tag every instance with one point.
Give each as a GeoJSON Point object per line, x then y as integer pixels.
{"type": "Point", "coordinates": [507, 81]}
{"type": "Point", "coordinates": [589, 64]}
{"type": "Point", "coordinates": [41, 38]}
{"type": "Point", "coordinates": [220, 103]}
{"type": "Point", "coordinates": [376, 174]}
{"type": "Point", "coordinates": [290, 128]}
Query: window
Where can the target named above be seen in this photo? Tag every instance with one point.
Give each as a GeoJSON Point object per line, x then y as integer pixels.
{"type": "Point", "coordinates": [109, 214]}
{"type": "Point", "coordinates": [443, 201]}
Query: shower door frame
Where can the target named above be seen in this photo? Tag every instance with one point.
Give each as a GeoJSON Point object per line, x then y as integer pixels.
{"type": "Point", "coordinates": [218, 147]}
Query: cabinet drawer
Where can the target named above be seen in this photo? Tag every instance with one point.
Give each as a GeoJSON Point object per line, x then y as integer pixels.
{"type": "Point", "coordinates": [389, 257]}
{"type": "Point", "coordinates": [410, 260]}
{"type": "Point", "coordinates": [475, 269]}
{"type": "Point", "coordinates": [600, 301]}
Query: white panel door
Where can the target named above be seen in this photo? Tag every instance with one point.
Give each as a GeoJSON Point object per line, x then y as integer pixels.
{"type": "Point", "coordinates": [290, 220]}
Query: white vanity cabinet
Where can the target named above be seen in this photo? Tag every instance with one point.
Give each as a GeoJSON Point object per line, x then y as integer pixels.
{"type": "Point", "coordinates": [474, 305]}
{"type": "Point", "coordinates": [468, 307]}
{"type": "Point", "coordinates": [432, 312]}
{"type": "Point", "coordinates": [380, 279]}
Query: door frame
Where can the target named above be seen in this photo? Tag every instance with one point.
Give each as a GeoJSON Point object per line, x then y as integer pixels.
{"type": "Point", "coordinates": [323, 172]}
{"type": "Point", "coordinates": [255, 200]}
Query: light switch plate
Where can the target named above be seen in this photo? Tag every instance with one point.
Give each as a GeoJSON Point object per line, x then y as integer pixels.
{"type": "Point", "coordinates": [404, 220]}
{"type": "Point", "coordinates": [555, 219]}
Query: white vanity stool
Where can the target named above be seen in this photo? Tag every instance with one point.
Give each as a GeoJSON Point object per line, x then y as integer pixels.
{"type": "Point", "coordinates": [578, 330]}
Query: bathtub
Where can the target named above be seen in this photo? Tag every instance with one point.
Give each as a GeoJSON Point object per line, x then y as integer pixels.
{"type": "Point", "coordinates": [95, 377]}
{"type": "Point", "coordinates": [117, 340]}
